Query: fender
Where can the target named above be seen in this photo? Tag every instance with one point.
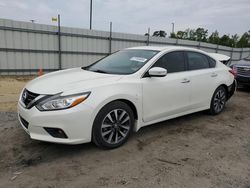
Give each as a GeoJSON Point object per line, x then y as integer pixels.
{"type": "Point", "coordinates": [133, 99]}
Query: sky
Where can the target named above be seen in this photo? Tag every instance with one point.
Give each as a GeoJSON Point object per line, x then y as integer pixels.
{"type": "Point", "coordinates": [135, 16]}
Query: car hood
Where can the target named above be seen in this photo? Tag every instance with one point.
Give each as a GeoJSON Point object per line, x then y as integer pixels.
{"type": "Point", "coordinates": [70, 79]}
{"type": "Point", "coordinates": [241, 63]}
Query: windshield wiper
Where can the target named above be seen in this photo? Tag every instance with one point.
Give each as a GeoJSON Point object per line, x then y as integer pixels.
{"type": "Point", "coordinates": [94, 70]}
{"type": "Point", "coordinates": [99, 71]}
{"type": "Point", "coordinates": [85, 68]}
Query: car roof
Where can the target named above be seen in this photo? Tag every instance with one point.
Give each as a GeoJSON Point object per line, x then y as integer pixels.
{"type": "Point", "coordinates": [164, 48]}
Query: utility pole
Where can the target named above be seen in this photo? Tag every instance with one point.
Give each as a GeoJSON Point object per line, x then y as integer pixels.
{"type": "Point", "coordinates": [58, 20]}
{"type": "Point", "coordinates": [172, 27]}
{"type": "Point", "coordinates": [110, 37]}
{"type": "Point", "coordinates": [90, 16]}
{"type": "Point", "coordinates": [59, 42]}
{"type": "Point", "coordinates": [148, 36]}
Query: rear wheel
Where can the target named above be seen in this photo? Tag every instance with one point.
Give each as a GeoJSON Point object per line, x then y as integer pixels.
{"type": "Point", "coordinates": [113, 125]}
{"type": "Point", "coordinates": [218, 101]}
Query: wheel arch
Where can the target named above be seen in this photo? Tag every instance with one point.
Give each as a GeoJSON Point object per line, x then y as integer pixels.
{"type": "Point", "coordinates": [130, 101]}
{"type": "Point", "coordinates": [229, 89]}
{"type": "Point", "coordinates": [225, 87]}
{"type": "Point", "coordinates": [131, 105]}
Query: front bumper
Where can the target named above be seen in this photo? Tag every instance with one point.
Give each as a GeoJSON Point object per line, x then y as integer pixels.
{"type": "Point", "coordinates": [75, 122]}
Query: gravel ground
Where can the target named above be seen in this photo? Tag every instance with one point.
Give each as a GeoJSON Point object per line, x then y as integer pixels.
{"type": "Point", "coordinates": [196, 150]}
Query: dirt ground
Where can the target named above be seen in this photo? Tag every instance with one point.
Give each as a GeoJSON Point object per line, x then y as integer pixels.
{"type": "Point", "coordinates": [197, 150]}
{"type": "Point", "coordinates": [10, 88]}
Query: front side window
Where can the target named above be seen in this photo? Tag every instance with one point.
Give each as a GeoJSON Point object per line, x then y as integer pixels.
{"type": "Point", "coordinates": [123, 62]}
{"type": "Point", "coordinates": [197, 61]}
{"type": "Point", "coordinates": [172, 61]}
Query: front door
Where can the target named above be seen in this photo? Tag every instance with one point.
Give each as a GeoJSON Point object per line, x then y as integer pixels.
{"type": "Point", "coordinates": [169, 95]}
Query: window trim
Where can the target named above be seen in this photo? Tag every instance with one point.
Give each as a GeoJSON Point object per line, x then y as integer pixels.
{"type": "Point", "coordinates": [145, 74]}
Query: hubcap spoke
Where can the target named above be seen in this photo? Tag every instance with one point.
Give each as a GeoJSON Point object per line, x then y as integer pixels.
{"type": "Point", "coordinates": [219, 93]}
{"type": "Point", "coordinates": [123, 135]}
{"type": "Point", "coordinates": [110, 118]}
{"type": "Point", "coordinates": [116, 137]}
{"type": "Point", "coordinates": [106, 125]}
{"type": "Point", "coordinates": [110, 137]}
{"type": "Point", "coordinates": [124, 127]}
{"type": "Point", "coordinates": [105, 133]}
{"type": "Point", "coordinates": [121, 116]}
{"type": "Point", "coordinates": [116, 115]}
{"type": "Point", "coordinates": [125, 120]}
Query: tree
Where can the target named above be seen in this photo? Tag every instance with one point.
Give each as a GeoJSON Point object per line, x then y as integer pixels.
{"type": "Point", "coordinates": [234, 39]}
{"type": "Point", "coordinates": [225, 40]}
{"type": "Point", "coordinates": [173, 35]}
{"type": "Point", "coordinates": [181, 35]}
{"type": "Point", "coordinates": [214, 38]}
{"type": "Point", "coordinates": [160, 33]}
{"type": "Point", "coordinates": [244, 40]}
{"type": "Point", "coordinates": [192, 34]}
{"type": "Point", "coordinates": [201, 34]}
{"type": "Point", "coordinates": [186, 34]}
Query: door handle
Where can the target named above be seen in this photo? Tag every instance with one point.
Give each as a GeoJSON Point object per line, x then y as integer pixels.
{"type": "Point", "coordinates": [214, 75]}
{"type": "Point", "coordinates": [185, 80]}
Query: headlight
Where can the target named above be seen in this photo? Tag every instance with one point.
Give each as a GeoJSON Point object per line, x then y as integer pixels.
{"type": "Point", "coordinates": [58, 102]}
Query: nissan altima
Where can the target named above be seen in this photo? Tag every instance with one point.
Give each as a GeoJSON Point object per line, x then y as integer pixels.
{"type": "Point", "coordinates": [121, 93]}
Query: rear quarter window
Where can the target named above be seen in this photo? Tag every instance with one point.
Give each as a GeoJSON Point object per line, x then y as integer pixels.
{"type": "Point", "coordinates": [212, 62]}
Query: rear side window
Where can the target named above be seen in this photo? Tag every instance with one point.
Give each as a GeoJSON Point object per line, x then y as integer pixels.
{"type": "Point", "coordinates": [197, 61]}
{"type": "Point", "coordinates": [212, 62]}
{"type": "Point", "coordinates": [173, 62]}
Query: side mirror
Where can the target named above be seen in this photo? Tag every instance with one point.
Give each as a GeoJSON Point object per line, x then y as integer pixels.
{"type": "Point", "coordinates": [157, 72]}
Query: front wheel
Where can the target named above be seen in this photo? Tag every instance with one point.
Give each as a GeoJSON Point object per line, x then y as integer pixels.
{"type": "Point", "coordinates": [218, 101]}
{"type": "Point", "coordinates": [113, 125]}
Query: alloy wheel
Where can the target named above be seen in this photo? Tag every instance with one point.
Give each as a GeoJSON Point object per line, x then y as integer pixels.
{"type": "Point", "coordinates": [115, 126]}
{"type": "Point", "coordinates": [219, 100]}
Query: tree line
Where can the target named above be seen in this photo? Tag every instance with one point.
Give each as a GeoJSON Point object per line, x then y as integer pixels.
{"type": "Point", "coordinates": [201, 34]}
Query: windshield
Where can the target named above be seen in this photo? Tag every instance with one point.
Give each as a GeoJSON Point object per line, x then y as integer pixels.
{"type": "Point", "coordinates": [123, 62]}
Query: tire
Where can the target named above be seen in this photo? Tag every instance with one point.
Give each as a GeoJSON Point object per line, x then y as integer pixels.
{"type": "Point", "coordinates": [113, 125]}
{"type": "Point", "coordinates": [218, 101]}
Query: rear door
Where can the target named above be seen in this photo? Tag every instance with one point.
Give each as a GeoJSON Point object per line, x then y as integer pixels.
{"type": "Point", "coordinates": [169, 95]}
{"type": "Point", "coordinates": [203, 78]}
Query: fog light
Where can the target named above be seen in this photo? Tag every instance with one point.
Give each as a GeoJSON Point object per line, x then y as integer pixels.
{"type": "Point", "coordinates": [55, 132]}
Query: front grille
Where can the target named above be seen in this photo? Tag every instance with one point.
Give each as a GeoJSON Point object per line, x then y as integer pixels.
{"type": "Point", "coordinates": [28, 97]}
{"type": "Point", "coordinates": [24, 122]}
{"type": "Point", "coordinates": [243, 71]}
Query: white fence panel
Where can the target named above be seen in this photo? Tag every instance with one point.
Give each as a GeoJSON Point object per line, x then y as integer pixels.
{"type": "Point", "coordinates": [26, 47]}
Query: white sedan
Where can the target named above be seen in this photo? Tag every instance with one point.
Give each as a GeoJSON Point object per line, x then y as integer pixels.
{"type": "Point", "coordinates": [125, 91]}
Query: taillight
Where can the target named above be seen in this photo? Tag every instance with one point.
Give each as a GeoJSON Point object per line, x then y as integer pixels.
{"type": "Point", "coordinates": [233, 71]}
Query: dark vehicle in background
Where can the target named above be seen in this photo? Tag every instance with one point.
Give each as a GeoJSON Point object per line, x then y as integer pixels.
{"type": "Point", "coordinates": [242, 70]}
